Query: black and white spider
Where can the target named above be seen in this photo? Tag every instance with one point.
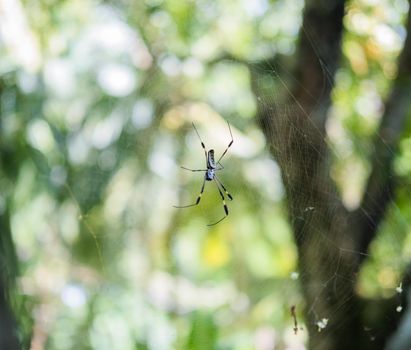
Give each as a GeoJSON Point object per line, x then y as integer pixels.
{"type": "Point", "coordinates": [210, 174]}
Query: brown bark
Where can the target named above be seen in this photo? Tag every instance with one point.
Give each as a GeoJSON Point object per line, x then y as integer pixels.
{"type": "Point", "coordinates": [380, 186]}
{"type": "Point", "coordinates": [331, 241]}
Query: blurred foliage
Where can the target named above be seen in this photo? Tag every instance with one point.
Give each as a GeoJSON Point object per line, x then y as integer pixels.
{"type": "Point", "coordinates": [97, 100]}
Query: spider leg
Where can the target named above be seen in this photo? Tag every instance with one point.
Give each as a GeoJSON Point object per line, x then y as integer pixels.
{"type": "Point", "coordinates": [221, 166]}
{"type": "Point", "coordinates": [193, 169]}
{"type": "Point", "coordinates": [225, 190]}
{"type": "Point", "coordinates": [202, 143]}
{"type": "Point", "coordinates": [198, 198]}
{"type": "Point", "coordinates": [225, 205]}
{"type": "Point", "coordinates": [229, 145]}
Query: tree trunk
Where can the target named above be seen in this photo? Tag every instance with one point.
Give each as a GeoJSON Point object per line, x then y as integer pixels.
{"type": "Point", "coordinates": [331, 241]}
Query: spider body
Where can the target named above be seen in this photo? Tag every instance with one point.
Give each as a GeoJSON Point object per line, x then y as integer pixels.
{"type": "Point", "coordinates": [210, 159]}
{"type": "Point", "coordinates": [210, 175]}
{"type": "Point", "coordinates": [211, 167]}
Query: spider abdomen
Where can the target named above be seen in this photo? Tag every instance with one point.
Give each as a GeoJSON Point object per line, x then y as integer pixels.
{"type": "Point", "coordinates": [210, 173]}
{"type": "Point", "coordinates": [210, 159]}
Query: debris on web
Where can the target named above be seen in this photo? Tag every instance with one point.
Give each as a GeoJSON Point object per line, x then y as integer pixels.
{"type": "Point", "coordinates": [294, 275]}
{"type": "Point", "coordinates": [322, 324]}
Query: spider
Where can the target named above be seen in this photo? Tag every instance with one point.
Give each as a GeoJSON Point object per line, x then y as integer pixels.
{"type": "Point", "coordinates": [210, 175]}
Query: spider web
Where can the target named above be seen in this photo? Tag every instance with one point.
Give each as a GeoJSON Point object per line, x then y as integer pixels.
{"type": "Point", "coordinates": [167, 265]}
{"type": "Point", "coordinates": [387, 269]}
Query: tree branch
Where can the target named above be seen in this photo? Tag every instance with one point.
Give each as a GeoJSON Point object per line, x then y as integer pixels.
{"type": "Point", "coordinates": [381, 182]}
{"type": "Point", "coordinates": [318, 55]}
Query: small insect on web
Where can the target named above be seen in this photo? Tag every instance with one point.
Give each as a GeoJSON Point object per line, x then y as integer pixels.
{"type": "Point", "coordinates": [210, 174]}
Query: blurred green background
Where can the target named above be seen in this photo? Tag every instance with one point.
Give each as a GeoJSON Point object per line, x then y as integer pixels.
{"type": "Point", "coordinates": [97, 101]}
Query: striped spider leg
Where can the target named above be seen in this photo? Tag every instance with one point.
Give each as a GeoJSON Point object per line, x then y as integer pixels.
{"type": "Point", "coordinates": [209, 175]}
